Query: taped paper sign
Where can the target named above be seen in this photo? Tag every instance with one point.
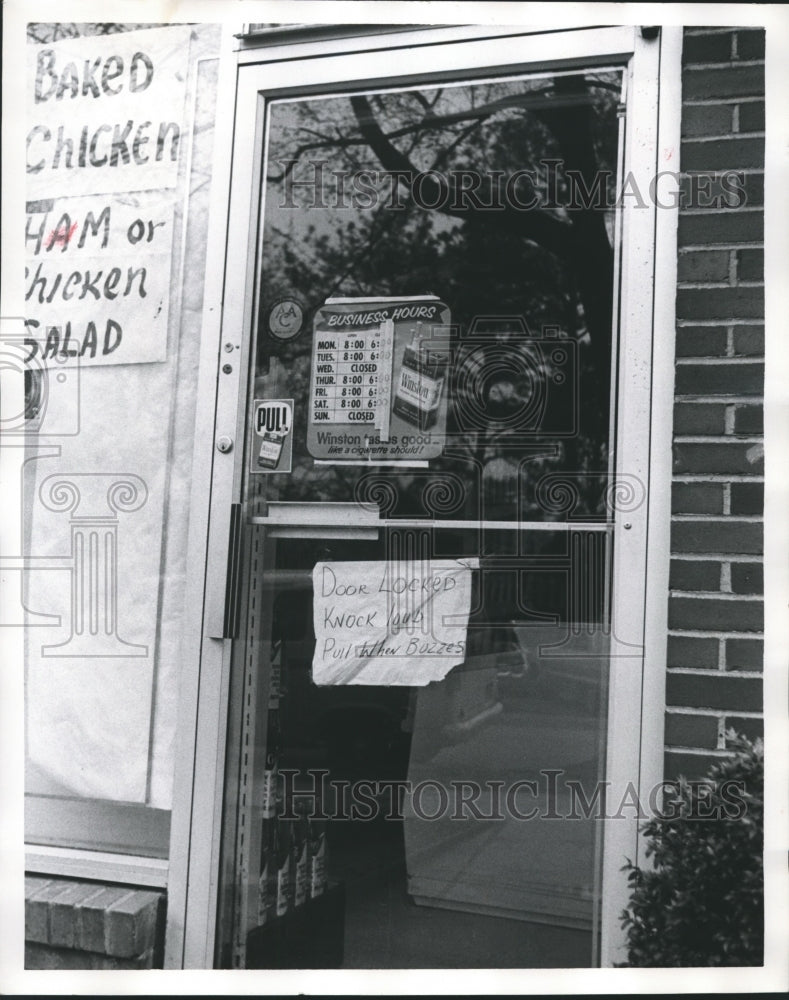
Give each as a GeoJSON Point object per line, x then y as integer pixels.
{"type": "Point", "coordinates": [389, 622]}
{"type": "Point", "coordinates": [106, 135]}
{"type": "Point", "coordinates": [97, 277]}
{"type": "Point", "coordinates": [105, 113]}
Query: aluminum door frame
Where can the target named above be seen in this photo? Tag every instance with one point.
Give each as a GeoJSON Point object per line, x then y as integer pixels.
{"type": "Point", "coordinates": [648, 283]}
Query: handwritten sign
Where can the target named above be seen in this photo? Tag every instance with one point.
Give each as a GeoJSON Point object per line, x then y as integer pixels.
{"type": "Point", "coordinates": [104, 111]}
{"type": "Point", "coordinates": [389, 622]}
{"type": "Point", "coordinates": [97, 277]}
{"type": "Point", "coordinates": [379, 380]}
{"type": "Point", "coordinates": [102, 170]}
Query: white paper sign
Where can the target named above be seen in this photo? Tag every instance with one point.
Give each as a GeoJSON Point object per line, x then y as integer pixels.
{"type": "Point", "coordinates": [97, 277]}
{"type": "Point", "coordinates": [105, 113]}
{"type": "Point", "coordinates": [106, 132]}
{"type": "Point", "coordinates": [389, 622]}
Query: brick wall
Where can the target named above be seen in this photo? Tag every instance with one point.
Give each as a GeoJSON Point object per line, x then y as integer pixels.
{"type": "Point", "coordinates": [70, 924]}
{"type": "Point", "coordinates": [715, 605]}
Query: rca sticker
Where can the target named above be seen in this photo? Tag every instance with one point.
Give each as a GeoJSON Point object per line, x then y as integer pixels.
{"type": "Point", "coordinates": [272, 435]}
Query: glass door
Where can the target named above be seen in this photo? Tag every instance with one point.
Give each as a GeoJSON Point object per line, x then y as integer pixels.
{"type": "Point", "coordinates": [422, 575]}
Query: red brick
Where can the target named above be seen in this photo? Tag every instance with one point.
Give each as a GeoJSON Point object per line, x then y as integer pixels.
{"type": "Point", "coordinates": [715, 614]}
{"type": "Point", "coordinates": [750, 728]}
{"type": "Point", "coordinates": [703, 265]}
{"type": "Point", "coordinates": [735, 457]}
{"type": "Point", "coordinates": [692, 574]}
{"type": "Point", "coordinates": [729, 378]}
{"type": "Point", "coordinates": [708, 691]}
{"type": "Point", "coordinates": [691, 731]}
{"type": "Point", "coordinates": [701, 341]}
{"type": "Point", "coordinates": [750, 265]}
{"type": "Point", "coordinates": [747, 499]}
{"type": "Point", "coordinates": [63, 923]}
{"type": "Point", "coordinates": [720, 303]}
{"type": "Point", "coordinates": [37, 907]}
{"type": "Point", "coordinates": [747, 578]}
{"type": "Point", "coordinates": [91, 917]}
{"type": "Point", "coordinates": [748, 341]}
{"type": "Point", "coordinates": [723, 154]}
{"type": "Point", "coordinates": [108, 962]}
{"type": "Point", "coordinates": [130, 924]}
{"type": "Point", "coordinates": [690, 766]}
{"type": "Point", "coordinates": [750, 44]}
{"type": "Point", "coordinates": [738, 81]}
{"type": "Point", "coordinates": [754, 191]}
{"type": "Point", "coordinates": [697, 498]}
{"type": "Point", "coordinates": [712, 190]}
{"type": "Point", "coordinates": [699, 418]}
{"type": "Point", "coordinates": [719, 535]}
{"type": "Point", "coordinates": [749, 420]}
{"type": "Point", "coordinates": [744, 654]}
{"type": "Point", "coordinates": [68, 959]}
{"type": "Point", "coordinates": [706, 120]}
{"type": "Point", "coordinates": [734, 226]}
{"type": "Point", "coordinates": [692, 651]}
{"type": "Point", "coordinates": [34, 883]}
{"type": "Point", "coordinates": [707, 48]}
{"type": "Point", "coordinates": [751, 116]}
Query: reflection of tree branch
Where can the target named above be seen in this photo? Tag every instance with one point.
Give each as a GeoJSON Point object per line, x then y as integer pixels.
{"type": "Point", "coordinates": [582, 241]}
{"type": "Point", "coordinates": [420, 97]}
{"type": "Point", "coordinates": [534, 224]}
{"type": "Point", "coordinates": [570, 121]}
{"type": "Point", "coordinates": [530, 101]}
{"type": "Point", "coordinates": [367, 249]}
{"type": "Point", "coordinates": [387, 220]}
{"type": "Point", "coordinates": [286, 238]}
{"type": "Point", "coordinates": [444, 154]}
{"type": "Point", "coordinates": [566, 108]}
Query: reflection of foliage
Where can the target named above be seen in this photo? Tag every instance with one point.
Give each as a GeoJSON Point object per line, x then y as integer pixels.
{"type": "Point", "coordinates": [54, 31]}
{"type": "Point", "coordinates": [551, 264]}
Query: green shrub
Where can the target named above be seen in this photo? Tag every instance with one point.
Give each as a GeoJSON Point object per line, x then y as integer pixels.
{"type": "Point", "coordinates": [702, 903]}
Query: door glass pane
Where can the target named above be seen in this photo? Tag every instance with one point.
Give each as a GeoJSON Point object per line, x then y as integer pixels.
{"type": "Point", "coordinates": [495, 197]}
{"type": "Point", "coordinates": [413, 778]}
{"type": "Point", "coordinates": [460, 821]}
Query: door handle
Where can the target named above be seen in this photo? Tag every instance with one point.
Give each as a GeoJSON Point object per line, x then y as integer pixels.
{"type": "Point", "coordinates": [232, 616]}
{"type": "Point", "coordinates": [320, 520]}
